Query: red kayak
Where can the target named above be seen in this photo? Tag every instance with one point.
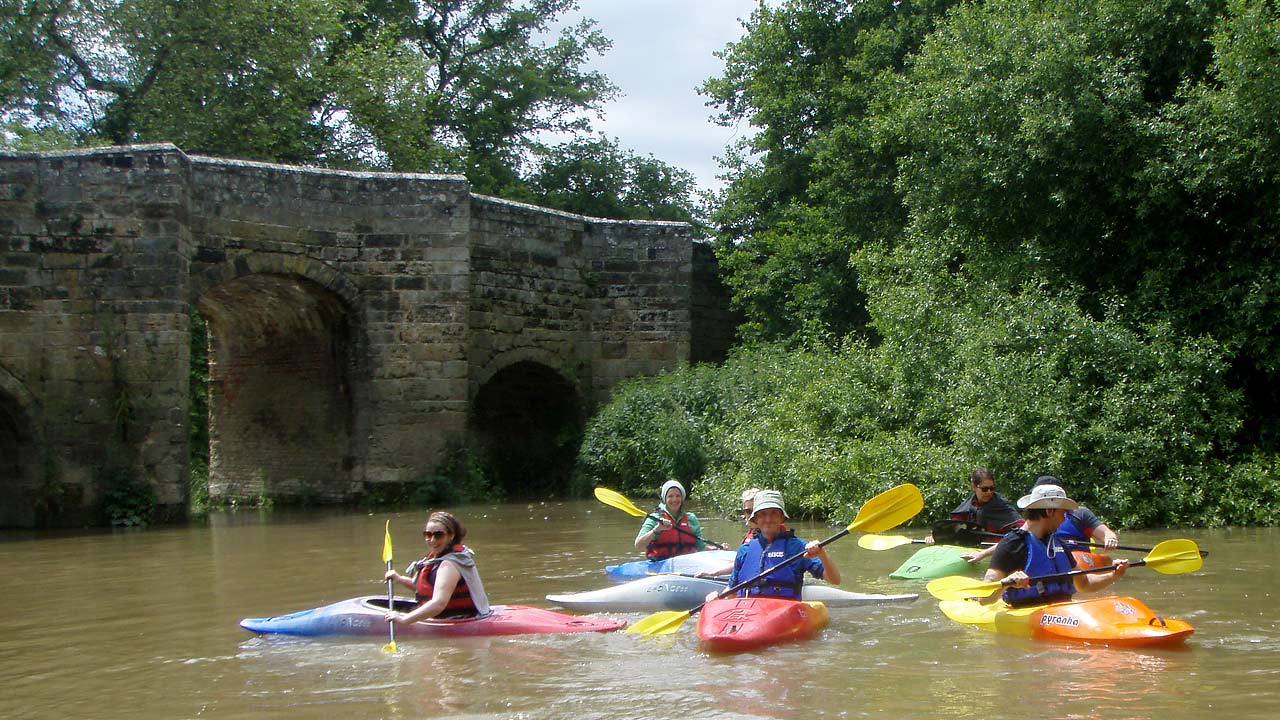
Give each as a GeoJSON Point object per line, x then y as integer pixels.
{"type": "Point", "coordinates": [735, 624]}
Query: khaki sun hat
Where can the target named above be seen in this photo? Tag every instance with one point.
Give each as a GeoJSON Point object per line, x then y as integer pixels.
{"type": "Point", "coordinates": [766, 499]}
{"type": "Point", "coordinates": [1047, 497]}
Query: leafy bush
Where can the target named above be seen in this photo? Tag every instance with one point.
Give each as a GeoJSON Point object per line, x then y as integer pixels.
{"type": "Point", "coordinates": [127, 500]}
{"type": "Point", "coordinates": [1128, 417]}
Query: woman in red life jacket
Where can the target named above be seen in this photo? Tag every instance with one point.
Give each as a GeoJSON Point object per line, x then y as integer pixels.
{"type": "Point", "coordinates": [445, 582]}
{"type": "Point", "coordinates": [669, 531]}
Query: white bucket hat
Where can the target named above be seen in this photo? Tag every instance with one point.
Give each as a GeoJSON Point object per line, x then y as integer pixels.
{"type": "Point", "coordinates": [666, 486]}
{"type": "Point", "coordinates": [1047, 497]}
{"type": "Point", "coordinates": [766, 499]}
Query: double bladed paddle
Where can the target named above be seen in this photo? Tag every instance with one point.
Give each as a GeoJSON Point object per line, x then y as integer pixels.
{"type": "Point", "coordinates": [391, 595]}
{"type": "Point", "coordinates": [1099, 547]}
{"type": "Point", "coordinates": [620, 501]}
{"type": "Point", "coordinates": [1094, 547]}
{"type": "Point", "coordinates": [886, 510]}
{"type": "Point", "coordinates": [1171, 557]}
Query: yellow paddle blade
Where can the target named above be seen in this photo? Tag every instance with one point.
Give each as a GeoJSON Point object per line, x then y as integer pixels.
{"type": "Point", "coordinates": [386, 544]}
{"type": "Point", "coordinates": [389, 647]}
{"type": "Point", "coordinates": [1172, 557]}
{"type": "Point", "coordinates": [660, 623]}
{"type": "Point", "coordinates": [618, 500]}
{"type": "Point", "coordinates": [889, 509]}
{"type": "Point", "coordinates": [882, 542]}
{"type": "Point", "coordinates": [959, 587]}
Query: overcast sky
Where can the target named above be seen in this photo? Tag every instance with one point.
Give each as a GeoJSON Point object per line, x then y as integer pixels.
{"type": "Point", "coordinates": [662, 51]}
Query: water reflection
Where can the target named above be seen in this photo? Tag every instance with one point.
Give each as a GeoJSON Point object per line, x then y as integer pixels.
{"type": "Point", "coordinates": [141, 625]}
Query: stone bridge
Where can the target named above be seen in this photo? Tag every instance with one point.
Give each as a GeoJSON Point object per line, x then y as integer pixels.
{"type": "Point", "coordinates": [359, 327]}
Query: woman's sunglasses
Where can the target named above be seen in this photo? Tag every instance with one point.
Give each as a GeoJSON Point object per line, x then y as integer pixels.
{"type": "Point", "coordinates": [433, 534]}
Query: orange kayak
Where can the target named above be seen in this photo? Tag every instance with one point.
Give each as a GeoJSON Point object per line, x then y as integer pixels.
{"type": "Point", "coordinates": [735, 624]}
{"type": "Point", "coordinates": [1111, 620]}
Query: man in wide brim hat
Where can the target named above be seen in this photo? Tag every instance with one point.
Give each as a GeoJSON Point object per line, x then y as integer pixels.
{"type": "Point", "coordinates": [1034, 551]}
{"type": "Point", "coordinates": [1047, 496]}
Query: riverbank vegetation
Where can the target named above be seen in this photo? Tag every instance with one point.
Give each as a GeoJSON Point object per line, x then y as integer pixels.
{"type": "Point", "coordinates": [1035, 236]}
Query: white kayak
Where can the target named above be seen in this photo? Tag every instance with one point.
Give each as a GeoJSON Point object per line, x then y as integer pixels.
{"type": "Point", "coordinates": [678, 592]}
{"type": "Point", "coordinates": [689, 564]}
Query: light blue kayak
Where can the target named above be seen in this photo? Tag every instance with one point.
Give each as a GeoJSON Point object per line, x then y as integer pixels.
{"type": "Point", "coordinates": [690, 564]}
{"type": "Point", "coordinates": [675, 592]}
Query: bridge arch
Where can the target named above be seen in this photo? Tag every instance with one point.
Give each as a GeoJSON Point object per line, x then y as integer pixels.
{"type": "Point", "coordinates": [527, 417]}
{"type": "Point", "coordinates": [284, 369]}
{"type": "Point", "coordinates": [25, 502]}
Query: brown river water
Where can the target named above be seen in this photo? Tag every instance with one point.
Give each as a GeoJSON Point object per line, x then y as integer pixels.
{"type": "Point", "coordinates": [144, 625]}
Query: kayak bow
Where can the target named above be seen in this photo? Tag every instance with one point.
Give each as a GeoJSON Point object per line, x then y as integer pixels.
{"type": "Point", "coordinates": [736, 624]}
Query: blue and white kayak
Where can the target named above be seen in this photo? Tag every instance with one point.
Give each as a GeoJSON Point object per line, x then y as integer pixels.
{"type": "Point", "coordinates": [364, 616]}
{"type": "Point", "coordinates": [676, 592]}
{"type": "Point", "coordinates": [690, 564]}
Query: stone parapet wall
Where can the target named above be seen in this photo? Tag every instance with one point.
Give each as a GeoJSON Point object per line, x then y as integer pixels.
{"type": "Point", "coordinates": [530, 291]}
{"type": "Point", "coordinates": [640, 317]}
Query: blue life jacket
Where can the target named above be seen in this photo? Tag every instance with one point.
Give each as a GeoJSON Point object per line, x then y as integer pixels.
{"type": "Point", "coordinates": [1068, 530]}
{"type": "Point", "coordinates": [1040, 562]}
{"type": "Point", "coordinates": [784, 582]}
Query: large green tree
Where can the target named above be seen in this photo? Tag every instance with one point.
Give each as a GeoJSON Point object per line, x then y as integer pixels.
{"type": "Point", "coordinates": [469, 85]}
{"type": "Point", "coordinates": [596, 177]}
{"type": "Point", "coordinates": [810, 187]}
{"type": "Point", "coordinates": [412, 85]}
{"type": "Point", "coordinates": [245, 78]}
{"type": "Point", "coordinates": [1119, 150]}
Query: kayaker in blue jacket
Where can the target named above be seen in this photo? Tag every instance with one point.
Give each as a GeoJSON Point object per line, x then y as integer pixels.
{"type": "Point", "coordinates": [1033, 550]}
{"type": "Point", "coordinates": [769, 546]}
{"type": "Point", "coordinates": [446, 581]}
{"type": "Point", "coordinates": [1080, 528]}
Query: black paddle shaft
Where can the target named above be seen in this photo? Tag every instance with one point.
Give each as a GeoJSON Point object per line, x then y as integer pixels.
{"type": "Point", "coordinates": [1094, 546]}
{"type": "Point", "coordinates": [718, 546]}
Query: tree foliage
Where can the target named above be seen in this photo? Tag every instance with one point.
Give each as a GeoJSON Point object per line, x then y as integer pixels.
{"type": "Point", "coordinates": [412, 85]}
{"type": "Point", "coordinates": [810, 186]}
{"type": "Point", "coordinates": [1062, 221]}
{"type": "Point", "coordinates": [596, 177]}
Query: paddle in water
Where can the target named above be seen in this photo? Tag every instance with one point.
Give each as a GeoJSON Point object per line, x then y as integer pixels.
{"type": "Point", "coordinates": [882, 512]}
{"type": "Point", "coordinates": [1171, 557]}
{"type": "Point", "coordinates": [616, 499]}
{"type": "Point", "coordinates": [391, 594]}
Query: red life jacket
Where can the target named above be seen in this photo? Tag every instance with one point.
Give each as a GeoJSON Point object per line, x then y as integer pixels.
{"type": "Point", "coordinates": [671, 542]}
{"type": "Point", "coordinates": [460, 603]}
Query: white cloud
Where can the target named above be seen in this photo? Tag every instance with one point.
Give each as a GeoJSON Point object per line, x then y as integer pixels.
{"type": "Point", "coordinates": [662, 51]}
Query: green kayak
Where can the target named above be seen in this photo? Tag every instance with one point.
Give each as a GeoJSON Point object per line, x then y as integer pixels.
{"type": "Point", "coordinates": [935, 561]}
